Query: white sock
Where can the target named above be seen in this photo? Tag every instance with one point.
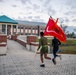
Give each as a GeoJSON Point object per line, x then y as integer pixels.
{"type": "Point", "coordinates": [42, 63]}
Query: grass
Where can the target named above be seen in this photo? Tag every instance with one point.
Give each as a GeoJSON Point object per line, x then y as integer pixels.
{"type": "Point", "coordinates": [68, 48]}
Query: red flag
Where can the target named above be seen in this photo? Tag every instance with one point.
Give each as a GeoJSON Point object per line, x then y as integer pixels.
{"type": "Point", "coordinates": [53, 29]}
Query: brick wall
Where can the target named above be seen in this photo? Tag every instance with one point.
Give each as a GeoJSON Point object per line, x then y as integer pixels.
{"type": "Point", "coordinates": [31, 39]}
{"type": "Point", "coordinates": [14, 37]}
{"type": "Point", "coordinates": [3, 44]}
{"type": "Point", "coordinates": [3, 38]}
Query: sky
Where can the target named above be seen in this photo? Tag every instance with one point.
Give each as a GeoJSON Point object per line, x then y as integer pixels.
{"type": "Point", "coordinates": [40, 10]}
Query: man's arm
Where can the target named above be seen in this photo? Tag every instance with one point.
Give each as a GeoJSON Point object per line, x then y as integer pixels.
{"type": "Point", "coordinates": [59, 43]}
{"type": "Point", "coordinates": [39, 44]}
{"type": "Point", "coordinates": [52, 43]}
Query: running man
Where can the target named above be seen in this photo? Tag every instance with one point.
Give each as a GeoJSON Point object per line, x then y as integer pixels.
{"type": "Point", "coordinates": [43, 46]}
{"type": "Point", "coordinates": [55, 44]}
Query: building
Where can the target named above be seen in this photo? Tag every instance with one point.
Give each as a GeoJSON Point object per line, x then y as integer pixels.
{"type": "Point", "coordinates": [9, 26]}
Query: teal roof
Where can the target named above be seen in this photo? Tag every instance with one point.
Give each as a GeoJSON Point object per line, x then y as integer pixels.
{"type": "Point", "coordinates": [5, 19]}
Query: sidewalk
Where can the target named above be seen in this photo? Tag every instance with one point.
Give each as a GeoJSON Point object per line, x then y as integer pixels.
{"type": "Point", "coordinates": [19, 61]}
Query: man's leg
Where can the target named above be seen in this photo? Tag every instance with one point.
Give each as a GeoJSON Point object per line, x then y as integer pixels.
{"type": "Point", "coordinates": [42, 60]}
{"type": "Point", "coordinates": [54, 59]}
{"type": "Point", "coordinates": [54, 53]}
{"type": "Point", "coordinates": [46, 57]}
{"type": "Point", "coordinates": [57, 54]}
{"type": "Point", "coordinates": [41, 57]}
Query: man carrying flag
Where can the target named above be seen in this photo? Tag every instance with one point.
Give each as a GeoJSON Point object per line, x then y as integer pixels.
{"type": "Point", "coordinates": [55, 44]}
{"type": "Point", "coordinates": [52, 29]}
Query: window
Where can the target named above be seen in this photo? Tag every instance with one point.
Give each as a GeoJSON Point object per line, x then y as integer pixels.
{"type": "Point", "coordinates": [3, 28]}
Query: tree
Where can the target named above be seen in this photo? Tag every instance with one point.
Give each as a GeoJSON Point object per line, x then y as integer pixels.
{"type": "Point", "coordinates": [63, 26]}
{"type": "Point", "coordinates": [75, 30]}
{"type": "Point", "coordinates": [70, 35]}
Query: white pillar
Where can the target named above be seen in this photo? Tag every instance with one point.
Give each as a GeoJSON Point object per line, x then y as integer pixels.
{"type": "Point", "coordinates": [11, 29]}
{"type": "Point", "coordinates": [16, 29]}
{"type": "Point", "coordinates": [23, 30]}
{"type": "Point", "coordinates": [6, 29]}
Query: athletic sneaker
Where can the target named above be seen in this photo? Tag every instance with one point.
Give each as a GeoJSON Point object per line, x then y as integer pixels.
{"type": "Point", "coordinates": [42, 65]}
{"type": "Point", "coordinates": [54, 61]}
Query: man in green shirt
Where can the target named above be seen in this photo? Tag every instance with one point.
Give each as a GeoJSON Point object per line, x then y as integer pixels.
{"type": "Point", "coordinates": [43, 46]}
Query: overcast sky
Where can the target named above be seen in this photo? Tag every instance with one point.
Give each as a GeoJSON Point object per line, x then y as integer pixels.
{"type": "Point", "coordinates": [40, 10]}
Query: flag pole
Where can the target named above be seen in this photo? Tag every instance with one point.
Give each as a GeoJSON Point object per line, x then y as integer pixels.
{"type": "Point", "coordinates": [51, 17]}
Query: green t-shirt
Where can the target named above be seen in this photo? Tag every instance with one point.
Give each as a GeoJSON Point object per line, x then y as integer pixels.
{"type": "Point", "coordinates": [43, 42]}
